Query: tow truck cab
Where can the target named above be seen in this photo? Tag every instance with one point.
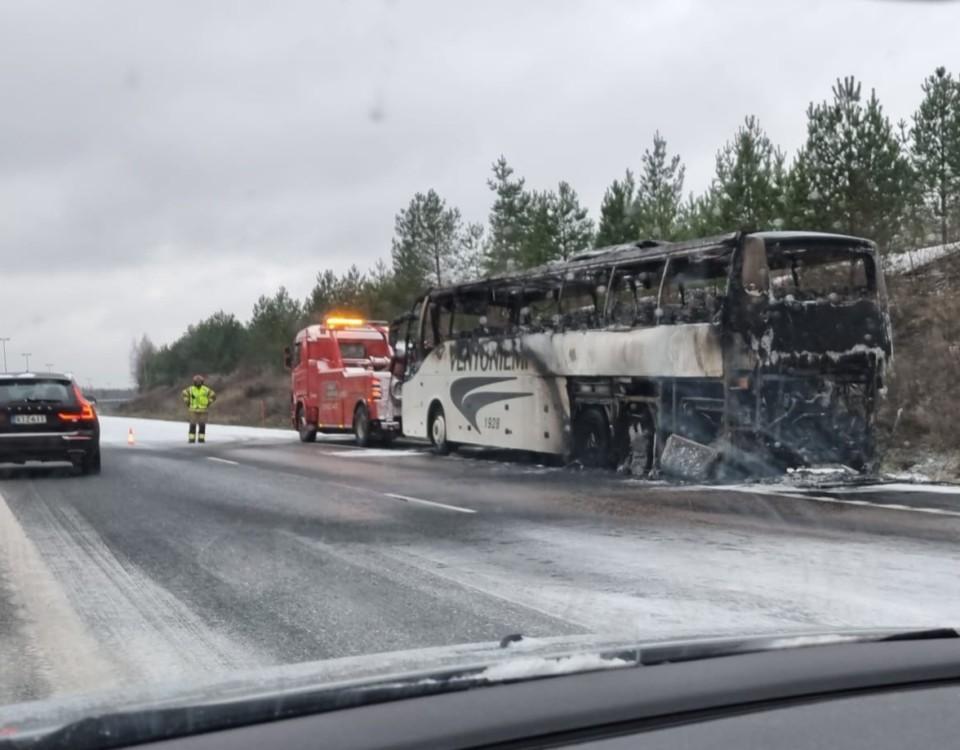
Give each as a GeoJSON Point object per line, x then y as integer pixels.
{"type": "Point", "coordinates": [340, 380]}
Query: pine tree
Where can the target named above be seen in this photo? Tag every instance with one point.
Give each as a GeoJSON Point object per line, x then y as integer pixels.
{"type": "Point", "coordinates": [272, 326]}
{"type": "Point", "coordinates": [470, 253]}
{"type": "Point", "coordinates": [425, 241]}
{"type": "Point", "coordinates": [935, 151]}
{"type": "Point", "coordinates": [699, 216]}
{"type": "Point", "coordinates": [749, 183]}
{"type": "Point", "coordinates": [332, 293]}
{"type": "Point", "coordinates": [555, 228]}
{"type": "Point", "coordinates": [539, 243]}
{"type": "Point", "coordinates": [798, 210]}
{"type": "Point", "coordinates": [618, 218]}
{"type": "Point", "coordinates": [659, 192]}
{"type": "Point", "coordinates": [508, 219]}
{"type": "Point", "coordinates": [574, 227]}
{"type": "Point", "coordinates": [859, 180]}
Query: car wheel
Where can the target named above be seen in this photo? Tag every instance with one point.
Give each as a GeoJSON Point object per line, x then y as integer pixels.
{"type": "Point", "coordinates": [438, 431]}
{"type": "Point", "coordinates": [308, 432]}
{"type": "Point", "coordinates": [361, 425]}
{"type": "Point", "coordinates": [91, 463]}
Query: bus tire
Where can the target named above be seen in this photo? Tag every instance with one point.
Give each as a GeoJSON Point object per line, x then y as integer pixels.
{"type": "Point", "coordinates": [361, 425]}
{"type": "Point", "coordinates": [437, 428]}
{"type": "Point", "coordinates": [591, 439]}
{"type": "Point", "coordinates": [308, 432]}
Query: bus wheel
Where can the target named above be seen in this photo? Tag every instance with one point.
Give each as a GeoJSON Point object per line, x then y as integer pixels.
{"type": "Point", "coordinates": [591, 439]}
{"type": "Point", "coordinates": [308, 432]}
{"type": "Point", "coordinates": [438, 431]}
{"type": "Point", "coordinates": [361, 425]}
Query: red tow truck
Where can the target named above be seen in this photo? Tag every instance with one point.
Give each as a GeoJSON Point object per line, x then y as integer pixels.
{"type": "Point", "coordinates": [340, 380]}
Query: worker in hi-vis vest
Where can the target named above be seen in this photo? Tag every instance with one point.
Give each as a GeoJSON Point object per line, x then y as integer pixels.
{"type": "Point", "coordinates": [197, 398]}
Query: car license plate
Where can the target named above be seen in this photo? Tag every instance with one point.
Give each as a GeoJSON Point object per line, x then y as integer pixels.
{"type": "Point", "coordinates": [29, 419]}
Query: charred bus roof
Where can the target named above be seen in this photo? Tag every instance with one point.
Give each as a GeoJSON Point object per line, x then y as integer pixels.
{"type": "Point", "coordinates": [643, 252]}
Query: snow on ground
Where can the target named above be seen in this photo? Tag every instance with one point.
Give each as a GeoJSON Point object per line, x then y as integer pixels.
{"type": "Point", "coordinates": [114, 430]}
{"type": "Point", "coordinates": [665, 580]}
{"type": "Point", "coordinates": [913, 259]}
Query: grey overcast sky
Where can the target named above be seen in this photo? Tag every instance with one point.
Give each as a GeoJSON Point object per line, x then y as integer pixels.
{"type": "Point", "coordinates": [160, 161]}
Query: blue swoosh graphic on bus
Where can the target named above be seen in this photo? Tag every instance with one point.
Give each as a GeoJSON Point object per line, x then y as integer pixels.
{"type": "Point", "coordinates": [468, 402]}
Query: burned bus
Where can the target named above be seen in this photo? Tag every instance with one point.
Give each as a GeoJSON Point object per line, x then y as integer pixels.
{"type": "Point", "coordinates": [745, 352]}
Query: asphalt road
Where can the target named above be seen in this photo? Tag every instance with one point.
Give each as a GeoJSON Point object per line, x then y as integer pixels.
{"type": "Point", "coordinates": [183, 562]}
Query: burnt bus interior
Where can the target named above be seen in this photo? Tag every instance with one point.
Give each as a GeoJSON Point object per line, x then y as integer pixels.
{"type": "Point", "coordinates": [802, 322]}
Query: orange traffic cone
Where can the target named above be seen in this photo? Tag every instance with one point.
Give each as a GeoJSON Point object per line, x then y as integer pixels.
{"type": "Point", "coordinates": [131, 440]}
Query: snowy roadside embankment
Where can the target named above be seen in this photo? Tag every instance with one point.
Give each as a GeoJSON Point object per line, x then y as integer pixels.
{"type": "Point", "coordinates": [115, 430]}
{"type": "Point", "coordinates": [913, 260]}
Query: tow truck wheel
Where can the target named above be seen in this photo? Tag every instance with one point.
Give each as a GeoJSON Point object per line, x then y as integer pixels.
{"type": "Point", "coordinates": [361, 425]}
{"type": "Point", "coordinates": [438, 431]}
{"type": "Point", "coordinates": [308, 432]}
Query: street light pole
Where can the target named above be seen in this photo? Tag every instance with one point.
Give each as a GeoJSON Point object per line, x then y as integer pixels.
{"type": "Point", "coordinates": [26, 357]}
{"type": "Point", "coordinates": [3, 343]}
{"type": "Point", "coordinates": [49, 366]}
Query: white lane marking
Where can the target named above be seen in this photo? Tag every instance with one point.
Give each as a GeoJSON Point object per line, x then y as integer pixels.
{"type": "Point", "coordinates": [492, 585]}
{"type": "Point", "coordinates": [223, 460]}
{"type": "Point", "coordinates": [834, 500]}
{"type": "Point", "coordinates": [70, 658]}
{"type": "Point", "coordinates": [375, 453]}
{"type": "Point", "coordinates": [403, 498]}
{"type": "Point", "coordinates": [432, 503]}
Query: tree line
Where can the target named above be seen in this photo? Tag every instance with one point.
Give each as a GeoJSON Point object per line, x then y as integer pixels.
{"type": "Point", "coordinates": [857, 172]}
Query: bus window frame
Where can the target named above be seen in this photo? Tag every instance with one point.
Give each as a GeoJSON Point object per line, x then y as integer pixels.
{"type": "Point", "coordinates": [658, 313]}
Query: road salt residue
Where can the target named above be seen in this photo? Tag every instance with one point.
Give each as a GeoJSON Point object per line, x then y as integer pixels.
{"type": "Point", "coordinates": [66, 656]}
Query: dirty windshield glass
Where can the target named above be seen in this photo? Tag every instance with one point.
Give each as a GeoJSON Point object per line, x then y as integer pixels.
{"type": "Point", "coordinates": [348, 340]}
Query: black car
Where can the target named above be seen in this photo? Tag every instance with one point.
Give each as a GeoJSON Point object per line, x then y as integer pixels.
{"type": "Point", "coordinates": [45, 417]}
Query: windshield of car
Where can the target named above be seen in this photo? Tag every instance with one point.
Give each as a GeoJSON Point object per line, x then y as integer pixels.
{"type": "Point", "coordinates": [28, 390]}
{"type": "Point", "coordinates": [526, 327]}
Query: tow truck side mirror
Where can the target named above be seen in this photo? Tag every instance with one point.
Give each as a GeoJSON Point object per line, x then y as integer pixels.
{"type": "Point", "coordinates": [287, 357]}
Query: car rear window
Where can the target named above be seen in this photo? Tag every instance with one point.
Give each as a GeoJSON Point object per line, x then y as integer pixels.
{"type": "Point", "coordinates": [39, 390]}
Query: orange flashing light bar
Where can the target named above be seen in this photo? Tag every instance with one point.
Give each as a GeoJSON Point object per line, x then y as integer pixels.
{"type": "Point", "coordinates": [337, 321]}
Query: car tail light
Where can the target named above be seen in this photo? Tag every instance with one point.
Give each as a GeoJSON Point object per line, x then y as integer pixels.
{"type": "Point", "coordinates": [86, 413]}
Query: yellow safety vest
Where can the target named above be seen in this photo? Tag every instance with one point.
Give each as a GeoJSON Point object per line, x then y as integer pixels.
{"type": "Point", "coordinates": [198, 398]}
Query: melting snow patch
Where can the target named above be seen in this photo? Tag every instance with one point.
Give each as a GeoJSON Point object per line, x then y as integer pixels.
{"type": "Point", "coordinates": [946, 489]}
{"type": "Point", "coordinates": [529, 667]}
{"type": "Point", "coordinates": [810, 640]}
{"type": "Point", "coordinates": [377, 453]}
